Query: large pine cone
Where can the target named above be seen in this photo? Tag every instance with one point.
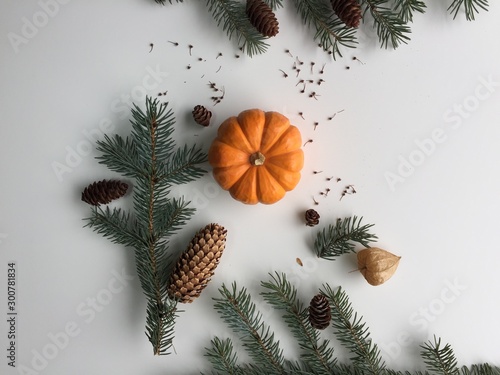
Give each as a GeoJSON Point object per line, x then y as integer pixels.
{"type": "Point", "coordinates": [320, 313]}
{"type": "Point", "coordinates": [202, 115]}
{"type": "Point", "coordinates": [103, 192]}
{"type": "Point", "coordinates": [349, 11]}
{"type": "Point", "coordinates": [197, 264]}
{"type": "Point", "coordinates": [262, 17]}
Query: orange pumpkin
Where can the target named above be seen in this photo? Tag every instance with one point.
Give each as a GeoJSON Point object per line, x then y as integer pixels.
{"type": "Point", "coordinates": [257, 156]}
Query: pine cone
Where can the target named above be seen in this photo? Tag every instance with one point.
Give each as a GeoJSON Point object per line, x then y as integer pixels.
{"type": "Point", "coordinates": [349, 11]}
{"type": "Point", "coordinates": [202, 115]}
{"type": "Point", "coordinates": [197, 264]}
{"type": "Point", "coordinates": [312, 218]}
{"type": "Point", "coordinates": [320, 314]}
{"type": "Point", "coordinates": [103, 192]}
{"type": "Point", "coordinates": [262, 17]}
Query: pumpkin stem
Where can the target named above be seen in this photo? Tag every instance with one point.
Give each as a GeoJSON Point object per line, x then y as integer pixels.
{"type": "Point", "coordinates": [257, 158]}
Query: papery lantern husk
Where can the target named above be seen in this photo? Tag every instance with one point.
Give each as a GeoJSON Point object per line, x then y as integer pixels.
{"type": "Point", "coordinates": [377, 265]}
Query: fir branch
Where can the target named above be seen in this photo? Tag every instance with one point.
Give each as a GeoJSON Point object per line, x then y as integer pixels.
{"type": "Point", "coordinates": [182, 167]}
{"type": "Point", "coordinates": [222, 356]}
{"type": "Point", "coordinates": [274, 4]}
{"type": "Point", "coordinates": [337, 239]}
{"type": "Point", "coordinates": [391, 29]}
{"type": "Point", "coordinates": [331, 32]}
{"type": "Point", "coordinates": [239, 312]}
{"type": "Point", "coordinates": [231, 14]}
{"type": "Point", "coordinates": [283, 296]}
{"type": "Point", "coordinates": [160, 321]}
{"type": "Point", "coordinates": [116, 226]}
{"type": "Point", "coordinates": [470, 8]}
{"type": "Point", "coordinates": [120, 155]}
{"type": "Point", "coordinates": [480, 369]}
{"type": "Point", "coordinates": [353, 333]}
{"type": "Point", "coordinates": [149, 157]}
{"type": "Point", "coordinates": [439, 360]}
{"type": "Point", "coordinates": [163, 2]}
{"type": "Point", "coordinates": [407, 8]}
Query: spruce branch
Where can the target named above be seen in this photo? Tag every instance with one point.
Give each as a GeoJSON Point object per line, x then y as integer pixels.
{"type": "Point", "coordinates": [470, 8]}
{"type": "Point", "coordinates": [222, 356]}
{"type": "Point", "coordinates": [391, 29]}
{"type": "Point", "coordinates": [407, 8]}
{"type": "Point", "coordinates": [439, 360]}
{"type": "Point", "coordinates": [331, 32]}
{"type": "Point", "coordinates": [231, 14]}
{"type": "Point", "coordinates": [283, 296]}
{"type": "Point", "coordinates": [116, 225]}
{"type": "Point", "coordinates": [239, 312]}
{"type": "Point", "coordinates": [274, 4]}
{"type": "Point", "coordinates": [337, 239]}
{"type": "Point", "coordinates": [353, 333]}
{"type": "Point", "coordinates": [149, 155]}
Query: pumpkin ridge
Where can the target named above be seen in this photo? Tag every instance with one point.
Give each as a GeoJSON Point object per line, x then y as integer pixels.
{"type": "Point", "coordinates": [288, 141]}
{"type": "Point", "coordinates": [276, 125]}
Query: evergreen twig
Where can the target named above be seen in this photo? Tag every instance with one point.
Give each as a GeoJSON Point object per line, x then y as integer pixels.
{"type": "Point", "coordinates": [391, 29]}
{"type": "Point", "coordinates": [407, 8]}
{"type": "Point", "coordinates": [274, 4]}
{"type": "Point", "coordinates": [353, 333]}
{"type": "Point", "coordinates": [239, 312]}
{"type": "Point", "coordinates": [337, 239]}
{"type": "Point", "coordinates": [283, 296]}
{"type": "Point", "coordinates": [331, 32]}
{"type": "Point", "coordinates": [439, 360]}
{"type": "Point", "coordinates": [149, 156]}
{"type": "Point", "coordinates": [231, 14]}
{"type": "Point", "coordinates": [470, 7]}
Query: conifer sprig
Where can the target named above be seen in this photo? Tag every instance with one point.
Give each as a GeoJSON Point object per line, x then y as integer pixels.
{"type": "Point", "coordinates": [439, 360]}
{"type": "Point", "coordinates": [391, 29]}
{"type": "Point", "coordinates": [232, 16]}
{"type": "Point", "coordinates": [331, 32]}
{"type": "Point", "coordinates": [470, 7]}
{"type": "Point", "coordinates": [283, 296]}
{"type": "Point", "coordinates": [353, 333]}
{"type": "Point", "coordinates": [240, 314]}
{"type": "Point", "coordinates": [150, 157]}
{"type": "Point", "coordinates": [407, 8]}
{"type": "Point", "coordinates": [338, 239]}
{"type": "Point", "coordinates": [274, 4]}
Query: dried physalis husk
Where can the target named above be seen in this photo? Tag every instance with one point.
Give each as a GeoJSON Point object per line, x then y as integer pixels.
{"type": "Point", "coordinates": [377, 265]}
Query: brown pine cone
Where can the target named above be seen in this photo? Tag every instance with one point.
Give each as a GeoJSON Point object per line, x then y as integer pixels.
{"type": "Point", "coordinates": [103, 192]}
{"type": "Point", "coordinates": [197, 264]}
{"type": "Point", "coordinates": [202, 115]}
{"type": "Point", "coordinates": [320, 313]}
{"type": "Point", "coordinates": [262, 17]}
{"type": "Point", "coordinates": [312, 218]}
{"type": "Point", "coordinates": [349, 11]}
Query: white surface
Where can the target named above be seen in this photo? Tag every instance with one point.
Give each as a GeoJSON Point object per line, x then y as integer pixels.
{"type": "Point", "coordinates": [74, 75]}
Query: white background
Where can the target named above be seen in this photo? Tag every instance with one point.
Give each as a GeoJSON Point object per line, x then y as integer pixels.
{"type": "Point", "coordinates": [73, 74]}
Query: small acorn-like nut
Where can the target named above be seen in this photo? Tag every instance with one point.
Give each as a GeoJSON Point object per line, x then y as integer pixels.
{"type": "Point", "coordinates": [377, 265]}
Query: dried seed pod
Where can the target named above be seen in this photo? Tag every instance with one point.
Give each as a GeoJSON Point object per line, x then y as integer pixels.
{"type": "Point", "coordinates": [103, 192]}
{"type": "Point", "coordinates": [320, 313]}
{"type": "Point", "coordinates": [202, 115]}
{"type": "Point", "coordinates": [262, 17]}
{"type": "Point", "coordinates": [312, 217]}
{"type": "Point", "coordinates": [377, 265]}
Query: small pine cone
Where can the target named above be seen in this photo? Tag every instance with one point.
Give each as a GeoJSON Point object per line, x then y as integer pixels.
{"type": "Point", "coordinates": [312, 218]}
{"type": "Point", "coordinates": [103, 192]}
{"type": "Point", "coordinates": [349, 11]}
{"type": "Point", "coordinates": [202, 115]}
{"type": "Point", "coordinates": [320, 313]}
{"type": "Point", "coordinates": [262, 17]}
{"type": "Point", "coordinates": [197, 264]}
